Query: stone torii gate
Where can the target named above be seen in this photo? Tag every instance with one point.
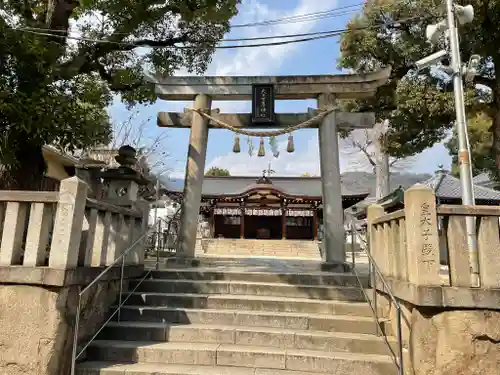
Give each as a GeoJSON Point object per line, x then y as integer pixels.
{"type": "Point", "coordinates": [326, 89]}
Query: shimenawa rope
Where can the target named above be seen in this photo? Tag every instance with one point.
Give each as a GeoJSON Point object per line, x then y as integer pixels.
{"type": "Point", "coordinates": [274, 133]}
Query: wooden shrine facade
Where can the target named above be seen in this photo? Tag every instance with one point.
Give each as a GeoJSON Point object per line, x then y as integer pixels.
{"type": "Point", "coordinates": [281, 208]}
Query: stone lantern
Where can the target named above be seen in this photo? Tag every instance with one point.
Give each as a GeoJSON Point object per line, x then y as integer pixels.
{"type": "Point", "coordinates": [123, 182]}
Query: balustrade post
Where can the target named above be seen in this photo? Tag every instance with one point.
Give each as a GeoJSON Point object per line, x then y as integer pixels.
{"type": "Point", "coordinates": [376, 242]}
{"type": "Point", "coordinates": [68, 224]}
{"type": "Point", "coordinates": [37, 238]}
{"type": "Point", "coordinates": [12, 234]}
{"type": "Point", "coordinates": [489, 254]}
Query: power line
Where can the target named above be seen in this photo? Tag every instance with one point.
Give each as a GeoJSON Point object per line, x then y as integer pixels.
{"type": "Point", "coordinates": [280, 36]}
{"type": "Point", "coordinates": [55, 32]}
{"type": "Point", "coordinates": [291, 19]}
{"type": "Point", "coordinates": [156, 43]}
{"type": "Point", "coordinates": [266, 37]}
{"type": "Point", "coordinates": [301, 20]}
{"type": "Point", "coordinates": [299, 17]}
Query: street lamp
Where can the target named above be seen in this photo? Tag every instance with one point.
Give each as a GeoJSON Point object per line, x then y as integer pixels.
{"type": "Point", "coordinates": [447, 27]}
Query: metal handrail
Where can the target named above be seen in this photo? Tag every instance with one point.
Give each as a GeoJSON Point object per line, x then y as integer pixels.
{"type": "Point", "coordinates": [77, 354]}
{"type": "Point", "coordinates": [169, 226]}
{"type": "Point", "coordinates": [374, 271]}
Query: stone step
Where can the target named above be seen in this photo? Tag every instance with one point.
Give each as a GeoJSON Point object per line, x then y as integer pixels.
{"type": "Point", "coordinates": [309, 248]}
{"type": "Point", "coordinates": [341, 293]}
{"type": "Point", "coordinates": [242, 302]}
{"type": "Point", "coordinates": [271, 263]}
{"type": "Point", "coordinates": [294, 278]}
{"type": "Point", "coordinates": [300, 254]}
{"type": "Point", "coordinates": [348, 318]}
{"type": "Point", "coordinates": [240, 356]}
{"type": "Point", "coordinates": [247, 336]}
{"type": "Point", "coordinates": [110, 368]}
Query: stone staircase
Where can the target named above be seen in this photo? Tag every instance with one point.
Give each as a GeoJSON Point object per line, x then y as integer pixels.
{"type": "Point", "coordinates": [226, 247]}
{"type": "Point", "coordinates": [237, 317]}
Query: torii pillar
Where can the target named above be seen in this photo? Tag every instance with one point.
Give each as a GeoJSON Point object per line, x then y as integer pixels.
{"type": "Point", "coordinates": [333, 213]}
{"type": "Point", "coordinates": [326, 89]}
{"type": "Point", "coordinates": [193, 180]}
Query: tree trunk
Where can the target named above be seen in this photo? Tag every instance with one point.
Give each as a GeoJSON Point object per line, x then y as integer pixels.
{"type": "Point", "coordinates": [28, 173]}
{"type": "Point", "coordinates": [382, 171]}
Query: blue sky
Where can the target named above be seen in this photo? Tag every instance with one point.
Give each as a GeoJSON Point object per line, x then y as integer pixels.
{"type": "Point", "coordinates": [316, 57]}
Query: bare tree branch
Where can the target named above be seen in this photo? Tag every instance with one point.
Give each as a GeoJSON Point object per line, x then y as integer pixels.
{"type": "Point", "coordinates": [151, 148]}
{"type": "Point", "coordinates": [360, 149]}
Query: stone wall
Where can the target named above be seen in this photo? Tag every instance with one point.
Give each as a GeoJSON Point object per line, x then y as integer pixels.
{"type": "Point", "coordinates": [446, 341]}
{"type": "Point", "coordinates": [37, 320]}
{"type": "Point", "coordinates": [241, 247]}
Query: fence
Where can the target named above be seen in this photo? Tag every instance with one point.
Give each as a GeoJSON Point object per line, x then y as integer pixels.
{"type": "Point", "coordinates": [65, 229]}
{"type": "Point", "coordinates": [426, 245]}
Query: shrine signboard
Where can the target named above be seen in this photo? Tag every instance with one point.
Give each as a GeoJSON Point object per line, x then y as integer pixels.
{"type": "Point", "coordinates": [263, 104]}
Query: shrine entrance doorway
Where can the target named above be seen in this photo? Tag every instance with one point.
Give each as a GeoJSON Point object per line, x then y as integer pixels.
{"type": "Point", "coordinates": [263, 227]}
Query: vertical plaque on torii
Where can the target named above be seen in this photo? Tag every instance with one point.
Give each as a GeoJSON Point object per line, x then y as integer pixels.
{"type": "Point", "coordinates": [263, 104]}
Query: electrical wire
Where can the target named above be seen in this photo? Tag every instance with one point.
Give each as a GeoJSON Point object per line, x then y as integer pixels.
{"type": "Point", "coordinates": [299, 17]}
{"type": "Point", "coordinates": [291, 19]}
{"type": "Point", "coordinates": [156, 44]}
{"type": "Point", "coordinates": [281, 36]}
{"type": "Point", "coordinates": [267, 37]}
{"type": "Point", "coordinates": [308, 19]}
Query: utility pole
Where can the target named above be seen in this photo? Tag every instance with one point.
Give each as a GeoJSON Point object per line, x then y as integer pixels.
{"type": "Point", "coordinates": [434, 32]}
{"type": "Point", "coordinates": [464, 159]}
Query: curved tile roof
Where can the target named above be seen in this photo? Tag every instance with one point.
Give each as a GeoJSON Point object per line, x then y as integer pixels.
{"type": "Point", "coordinates": [294, 186]}
{"type": "Point", "coordinates": [352, 184]}
{"type": "Point", "coordinates": [448, 187]}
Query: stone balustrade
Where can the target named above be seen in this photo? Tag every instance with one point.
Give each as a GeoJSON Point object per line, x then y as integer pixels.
{"type": "Point", "coordinates": [422, 251]}
{"type": "Point", "coordinates": [426, 246]}
{"type": "Point", "coordinates": [53, 245]}
{"type": "Point", "coordinates": [66, 229]}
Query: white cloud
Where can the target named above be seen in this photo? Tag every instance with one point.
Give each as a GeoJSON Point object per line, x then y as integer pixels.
{"type": "Point", "coordinates": [262, 60]}
{"type": "Point", "coordinates": [307, 161]}
{"type": "Point", "coordinates": [287, 164]}
{"type": "Point", "coordinates": [259, 61]}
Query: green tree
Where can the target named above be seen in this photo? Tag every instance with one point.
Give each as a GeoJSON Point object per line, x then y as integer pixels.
{"type": "Point", "coordinates": [55, 90]}
{"type": "Point", "coordinates": [418, 105]}
{"type": "Point", "coordinates": [480, 140]}
{"type": "Point", "coordinates": [217, 172]}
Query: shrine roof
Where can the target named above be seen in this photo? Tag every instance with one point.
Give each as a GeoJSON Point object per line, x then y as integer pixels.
{"type": "Point", "coordinates": [292, 186]}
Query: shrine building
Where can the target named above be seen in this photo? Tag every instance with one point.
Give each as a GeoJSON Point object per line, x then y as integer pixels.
{"type": "Point", "coordinates": [288, 208]}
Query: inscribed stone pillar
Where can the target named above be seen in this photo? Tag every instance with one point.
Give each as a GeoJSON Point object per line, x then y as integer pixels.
{"type": "Point", "coordinates": [193, 180]}
{"type": "Point", "coordinates": [333, 213]}
{"type": "Point", "coordinates": [422, 236]}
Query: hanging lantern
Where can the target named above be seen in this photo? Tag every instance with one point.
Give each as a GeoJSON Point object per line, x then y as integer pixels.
{"type": "Point", "coordinates": [236, 145]}
{"type": "Point", "coordinates": [290, 147]}
{"type": "Point", "coordinates": [262, 151]}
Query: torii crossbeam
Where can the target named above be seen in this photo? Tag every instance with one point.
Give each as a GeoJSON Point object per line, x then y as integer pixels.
{"type": "Point", "coordinates": [344, 120]}
{"type": "Point", "coordinates": [326, 89]}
